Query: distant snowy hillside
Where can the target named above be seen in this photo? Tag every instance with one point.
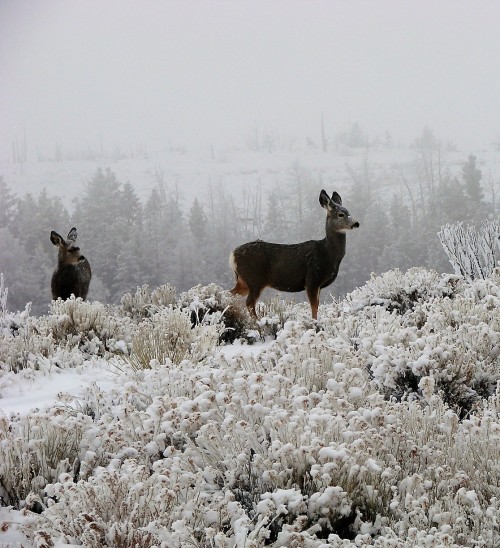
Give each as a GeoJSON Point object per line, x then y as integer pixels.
{"type": "Point", "coordinates": [195, 174]}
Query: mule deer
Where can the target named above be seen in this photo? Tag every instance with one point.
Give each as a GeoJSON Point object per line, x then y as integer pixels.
{"type": "Point", "coordinates": [72, 274]}
{"type": "Point", "coordinates": [309, 265]}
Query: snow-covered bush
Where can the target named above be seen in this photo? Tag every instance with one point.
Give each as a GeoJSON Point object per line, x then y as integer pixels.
{"type": "Point", "coordinates": [130, 504]}
{"type": "Point", "coordinates": [273, 314]}
{"type": "Point", "coordinates": [379, 427]}
{"type": "Point", "coordinates": [90, 325]}
{"type": "Point", "coordinates": [224, 453]}
{"type": "Point", "coordinates": [401, 291]}
{"type": "Point", "coordinates": [453, 336]}
{"type": "Point", "coordinates": [471, 251]}
{"type": "Point", "coordinates": [35, 450]}
{"type": "Point", "coordinates": [453, 340]}
{"type": "Point", "coordinates": [144, 301]}
{"type": "Point", "coordinates": [24, 347]}
{"type": "Point", "coordinates": [211, 300]}
{"type": "Point", "coordinates": [11, 323]}
{"type": "Point", "coordinates": [168, 336]}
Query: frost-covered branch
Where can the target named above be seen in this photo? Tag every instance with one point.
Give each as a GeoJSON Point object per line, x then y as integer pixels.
{"type": "Point", "coordinates": [471, 251]}
{"type": "Point", "coordinates": [4, 291]}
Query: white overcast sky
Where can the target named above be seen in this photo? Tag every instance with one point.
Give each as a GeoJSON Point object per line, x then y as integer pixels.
{"type": "Point", "coordinates": [132, 72]}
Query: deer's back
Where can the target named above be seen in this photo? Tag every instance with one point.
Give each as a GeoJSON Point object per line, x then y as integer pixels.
{"type": "Point", "coordinates": [71, 279]}
{"type": "Point", "coordinates": [285, 267]}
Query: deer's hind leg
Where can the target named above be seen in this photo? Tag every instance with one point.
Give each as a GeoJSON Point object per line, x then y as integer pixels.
{"type": "Point", "coordinates": [241, 287]}
{"type": "Point", "coordinates": [252, 292]}
{"type": "Point", "coordinates": [252, 298]}
{"type": "Point", "coordinates": [313, 296]}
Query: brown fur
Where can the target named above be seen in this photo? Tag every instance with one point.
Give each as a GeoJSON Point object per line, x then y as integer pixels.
{"type": "Point", "coordinates": [309, 265]}
{"type": "Point", "coordinates": [73, 274]}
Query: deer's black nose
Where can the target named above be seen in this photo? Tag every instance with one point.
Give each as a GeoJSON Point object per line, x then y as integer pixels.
{"type": "Point", "coordinates": [355, 225]}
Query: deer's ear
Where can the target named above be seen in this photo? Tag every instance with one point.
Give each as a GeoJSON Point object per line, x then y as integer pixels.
{"type": "Point", "coordinates": [72, 234]}
{"type": "Point", "coordinates": [336, 199]}
{"type": "Point", "coordinates": [56, 239]}
{"type": "Point", "coordinates": [324, 199]}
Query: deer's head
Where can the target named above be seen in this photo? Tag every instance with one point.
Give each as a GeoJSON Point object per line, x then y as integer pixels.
{"type": "Point", "coordinates": [69, 252]}
{"type": "Point", "coordinates": [338, 219]}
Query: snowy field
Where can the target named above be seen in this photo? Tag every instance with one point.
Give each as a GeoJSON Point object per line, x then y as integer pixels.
{"type": "Point", "coordinates": [29, 395]}
{"type": "Point", "coordinates": [241, 172]}
{"type": "Point", "coordinates": [377, 426]}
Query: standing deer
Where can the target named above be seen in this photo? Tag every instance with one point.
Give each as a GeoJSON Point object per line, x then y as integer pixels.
{"type": "Point", "coordinates": [309, 265]}
{"type": "Point", "coordinates": [72, 274]}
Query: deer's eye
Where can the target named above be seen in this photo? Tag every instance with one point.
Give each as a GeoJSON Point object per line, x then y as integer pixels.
{"type": "Point", "coordinates": [341, 214]}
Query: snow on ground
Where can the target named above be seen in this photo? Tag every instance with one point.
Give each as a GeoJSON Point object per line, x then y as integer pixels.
{"type": "Point", "coordinates": [44, 390]}
{"type": "Point", "coordinates": [199, 173]}
{"type": "Point", "coordinates": [10, 536]}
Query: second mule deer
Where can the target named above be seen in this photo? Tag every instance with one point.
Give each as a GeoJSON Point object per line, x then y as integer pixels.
{"type": "Point", "coordinates": [309, 265]}
{"type": "Point", "coordinates": [72, 274]}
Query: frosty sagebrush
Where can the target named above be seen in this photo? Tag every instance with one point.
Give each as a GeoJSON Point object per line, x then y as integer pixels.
{"type": "Point", "coordinates": [288, 456]}
{"type": "Point", "coordinates": [300, 446]}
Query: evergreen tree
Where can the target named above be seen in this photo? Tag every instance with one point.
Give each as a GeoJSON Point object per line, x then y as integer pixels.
{"type": "Point", "coordinates": [398, 253]}
{"type": "Point", "coordinates": [451, 200]}
{"type": "Point", "coordinates": [275, 224]}
{"type": "Point", "coordinates": [103, 219]}
{"type": "Point", "coordinates": [198, 221]}
{"type": "Point", "coordinates": [130, 206]}
{"type": "Point", "coordinates": [7, 204]}
{"type": "Point", "coordinates": [21, 276]}
{"type": "Point", "coordinates": [367, 250]}
{"type": "Point", "coordinates": [472, 176]}
{"type": "Point", "coordinates": [198, 249]}
{"type": "Point", "coordinates": [130, 262]}
{"type": "Point", "coordinates": [31, 225]}
{"type": "Point", "coordinates": [151, 247]}
{"type": "Point", "coordinates": [130, 267]}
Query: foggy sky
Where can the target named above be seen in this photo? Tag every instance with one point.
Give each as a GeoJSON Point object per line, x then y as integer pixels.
{"type": "Point", "coordinates": [194, 73]}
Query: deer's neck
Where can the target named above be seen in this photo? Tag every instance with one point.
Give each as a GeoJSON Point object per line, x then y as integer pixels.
{"type": "Point", "coordinates": [335, 245]}
{"type": "Point", "coordinates": [64, 261]}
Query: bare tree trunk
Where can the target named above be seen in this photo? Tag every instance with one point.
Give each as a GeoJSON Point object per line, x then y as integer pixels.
{"type": "Point", "coordinates": [324, 141]}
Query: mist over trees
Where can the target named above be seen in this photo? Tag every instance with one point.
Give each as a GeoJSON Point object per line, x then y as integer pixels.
{"type": "Point", "coordinates": [163, 239]}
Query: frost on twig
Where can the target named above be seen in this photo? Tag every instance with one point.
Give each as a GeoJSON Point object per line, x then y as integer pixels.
{"type": "Point", "coordinates": [4, 291]}
{"type": "Point", "coordinates": [470, 251]}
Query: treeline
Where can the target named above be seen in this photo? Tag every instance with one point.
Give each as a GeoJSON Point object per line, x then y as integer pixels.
{"type": "Point", "coordinates": [130, 243]}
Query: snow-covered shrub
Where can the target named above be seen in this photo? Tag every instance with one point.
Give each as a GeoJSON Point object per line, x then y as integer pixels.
{"type": "Point", "coordinates": [380, 428]}
{"type": "Point", "coordinates": [227, 454]}
{"type": "Point", "coordinates": [401, 291]}
{"type": "Point", "coordinates": [23, 346]}
{"type": "Point", "coordinates": [173, 504]}
{"type": "Point", "coordinates": [211, 300]}
{"type": "Point", "coordinates": [143, 302]}
{"type": "Point", "coordinates": [273, 314]}
{"type": "Point", "coordinates": [73, 331]}
{"type": "Point", "coordinates": [471, 251]}
{"type": "Point", "coordinates": [90, 325]}
{"type": "Point", "coordinates": [10, 322]}
{"type": "Point", "coordinates": [35, 450]}
{"type": "Point", "coordinates": [456, 341]}
{"type": "Point", "coordinates": [168, 336]}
